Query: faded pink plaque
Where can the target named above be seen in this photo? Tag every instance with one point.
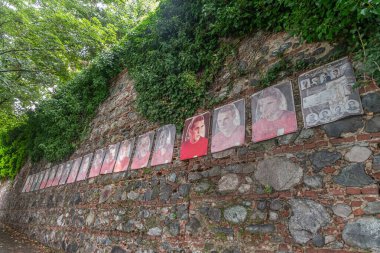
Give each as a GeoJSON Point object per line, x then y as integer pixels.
{"type": "Point", "coordinates": [51, 176]}
{"type": "Point", "coordinates": [74, 170]}
{"type": "Point", "coordinates": [82, 175]}
{"type": "Point", "coordinates": [109, 159]}
{"type": "Point", "coordinates": [142, 152]}
{"type": "Point", "coordinates": [97, 163]}
{"type": "Point", "coordinates": [124, 155]}
{"type": "Point", "coordinates": [46, 177]}
{"type": "Point", "coordinates": [163, 148]}
{"type": "Point", "coordinates": [66, 172]}
{"type": "Point", "coordinates": [58, 175]}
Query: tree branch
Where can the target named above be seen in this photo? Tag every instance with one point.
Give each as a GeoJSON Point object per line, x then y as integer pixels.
{"type": "Point", "coordinates": [18, 70]}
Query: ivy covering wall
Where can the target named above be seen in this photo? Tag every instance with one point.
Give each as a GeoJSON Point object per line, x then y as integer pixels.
{"type": "Point", "coordinates": [174, 56]}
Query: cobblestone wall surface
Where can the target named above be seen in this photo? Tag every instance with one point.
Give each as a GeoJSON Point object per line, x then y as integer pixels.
{"type": "Point", "coordinates": [316, 190]}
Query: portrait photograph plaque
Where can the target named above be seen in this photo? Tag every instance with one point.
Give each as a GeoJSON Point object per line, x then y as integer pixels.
{"type": "Point", "coordinates": [195, 136]}
{"type": "Point", "coordinates": [273, 112]}
{"type": "Point", "coordinates": [97, 163]}
{"type": "Point", "coordinates": [51, 176]}
{"type": "Point", "coordinates": [164, 145]}
{"type": "Point", "coordinates": [40, 179]}
{"type": "Point", "coordinates": [58, 174]}
{"type": "Point", "coordinates": [124, 155]}
{"type": "Point", "coordinates": [143, 149]}
{"type": "Point", "coordinates": [65, 173]}
{"type": "Point", "coordinates": [45, 179]}
{"type": "Point", "coordinates": [109, 159]}
{"type": "Point", "coordinates": [327, 93]}
{"type": "Point", "coordinates": [228, 126]}
{"type": "Point", "coordinates": [26, 184]}
{"type": "Point", "coordinates": [30, 182]}
{"type": "Point", "coordinates": [33, 182]}
{"type": "Point", "coordinates": [75, 165]}
{"type": "Point", "coordinates": [85, 165]}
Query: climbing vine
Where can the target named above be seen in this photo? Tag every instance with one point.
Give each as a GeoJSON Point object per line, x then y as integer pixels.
{"type": "Point", "coordinates": [174, 56]}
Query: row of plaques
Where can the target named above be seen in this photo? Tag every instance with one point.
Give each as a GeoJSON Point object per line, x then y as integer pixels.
{"type": "Point", "coordinates": [327, 94]}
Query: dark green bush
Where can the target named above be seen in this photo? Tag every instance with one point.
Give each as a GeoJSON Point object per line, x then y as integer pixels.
{"type": "Point", "coordinates": [174, 56]}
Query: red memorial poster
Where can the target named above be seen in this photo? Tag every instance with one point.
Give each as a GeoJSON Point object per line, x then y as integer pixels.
{"type": "Point", "coordinates": [195, 136]}
{"type": "Point", "coordinates": [110, 159]}
{"type": "Point", "coordinates": [58, 174]}
{"type": "Point", "coordinates": [228, 126]}
{"type": "Point", "coordinates": [124, 155]}
{"type": "Point", "coordinates": [97, 163]}
{"type": "Point", "coordinates": [163, 148]}
{"type": "Point", "coordinates": [65, 173]}
{"type": "Point", "coordinates": [45, 179]}
{"type": "Point", "coordinates": [142, 152]}
{"type": "Point", "coordinates": [51, 176]}
{"type": "Point", "coordinates": [273, 112]}
{"type": "Point", "coordinates": [74, 170]}
{"type": "Point", "coordinates": [85, 165]}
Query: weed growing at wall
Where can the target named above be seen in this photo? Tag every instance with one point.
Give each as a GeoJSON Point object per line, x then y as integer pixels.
{"type": "Point", "coordinates": [174, 56]}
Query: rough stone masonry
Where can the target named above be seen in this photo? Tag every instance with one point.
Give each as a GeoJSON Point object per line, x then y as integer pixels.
{"type": "Point", "coordinates": [316, 190]}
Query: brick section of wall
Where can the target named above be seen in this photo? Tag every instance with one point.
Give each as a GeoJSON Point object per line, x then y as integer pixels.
{"type": "Point", "coordinates": [217, 203]}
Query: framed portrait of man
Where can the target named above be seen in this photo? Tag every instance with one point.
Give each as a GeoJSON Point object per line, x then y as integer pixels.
{"type": "Point", "coordinates": [74, 170]}
{"type": "Point", "coordinates": [195, 136]}
{"type": "Point", "coordinates": [164, 146]}
{"type": "Point", "coordinates": [228, 126]}
{"type": "Point", "coordinates": [29, 183]}
{"type": "Point", "coordinates": [51, 176]}
{"type": "Point", "coordinates": [97, 163]}
{"type": "Point", "coordinates": [109, 159]}
{"type": "Point", "coordinates": [33, 182]}
{"type": "Point", "coordinates": [45, 179]}
{"type": "Point", "coordinates": [26, 184]}
{"type": "Point", "coordinates": [40, 179]}
{"type": "Point", "coordinates": [330, 95]}
{"type": "Point", "coordinates": [124, 155]}
{"type": "Point", "coordinates": [273, 112]}
{"type": "Point", "coordinates": [58, 174]}
{"type": "Point", "coordinates": [85, 165]}
{"type": "Point", "coordinates": [65, 173]}
{"type": "Point", "coordinates": [143, 149]}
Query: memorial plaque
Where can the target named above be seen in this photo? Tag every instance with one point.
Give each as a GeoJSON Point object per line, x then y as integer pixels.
{"type": "Point", "coordinates": [51, 176]}
{"type": "Point", "coordinates": [75, 165]}
{"type": "Point", "coordinates": [195, 136]}
{"type": "Point", "coordinates": [273, 112]}
{"type": "Point", "coordinates": [85, 165]}
{"type": "Point", "coordinates": [58, 174]}
{"type": "Point", "coordinates": [327, 93]}
{"type": "Point", "coordinates": [97, 163]}
{"type": "Point", "coordinates": [228, 126]}
{"type": "Point", "coordinates": [124, 155]}
{"type": "Point", "coordinates": [110, 159]}
{"type": "Point", "coordinates": [143, 150]}
{"type": "Point", "coordinates": [26, 184]}
{"type": "Point", "coordinates": [163, 148]}
{"type": "Point", "coordinates": [46, 177]}
{"type": "Point", "coordinates": [65, 173]}
{"type": "Point", "coordinates": [29, 186]}
{"type": "Point", "coordinates": [32, 182]}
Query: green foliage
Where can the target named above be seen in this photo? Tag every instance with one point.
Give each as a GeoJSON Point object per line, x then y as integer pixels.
{"type": "Point", "coordinates": [173, 55]}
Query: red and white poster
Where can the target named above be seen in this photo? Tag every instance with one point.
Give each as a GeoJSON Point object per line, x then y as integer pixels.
{"type": "Point", "coordinates": [142, 152]}
{"type": "Point", "coordinates": [97, 163]}
{"type": "Point", "coordinates": [228, 126]}
{"type": "Point", "coordinates": [74, 170]}
{"type": "Point", "coordinates": [85, 165]}
{"type": "Point", "coordinates": [45, 179]}
{"type": "Point", "coordinates": [65, 173]}
{"type": "Point", "coordinates": [110, 159]}
{"type": "Point", "coordinates": [58, 174]}
{"type": "Point", "coordinates": [163, 148]}
{"type": "Point", "coordinates": [195, 136]}
{"type": "Point", "coordinates": [124, 155]}
{"type": "Point", "coordinates": [51, 176]}
{"type": "Point", "coordinates": [273, 112]}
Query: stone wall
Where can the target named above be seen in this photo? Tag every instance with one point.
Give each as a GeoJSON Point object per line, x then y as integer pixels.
{"type": "Point", "coordinates": [316, 190]}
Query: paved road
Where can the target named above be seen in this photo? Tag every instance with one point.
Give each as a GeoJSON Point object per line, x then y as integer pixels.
{"type": "Point", "coordinates": [14, 242]}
